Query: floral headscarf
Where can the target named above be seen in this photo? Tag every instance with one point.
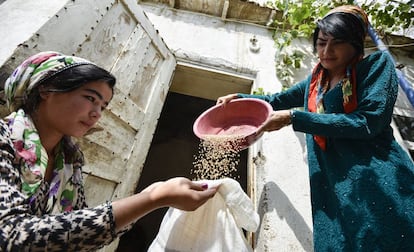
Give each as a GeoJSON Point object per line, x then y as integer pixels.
{"type": "Point", "coordinates": [31, 156]}
{"type": "Point", "coordinates": [34, 71]}
{"type": "Point", "coordinates": [320, 83]}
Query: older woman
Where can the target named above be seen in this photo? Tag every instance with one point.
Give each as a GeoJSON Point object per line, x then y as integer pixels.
{"type": "Point", "coordinates": [42, 202]}
{"type": "Point", "coordinates": [361, 180]}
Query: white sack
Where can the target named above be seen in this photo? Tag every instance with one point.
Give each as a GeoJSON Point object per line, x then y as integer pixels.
{"type": "Point", "coordinates": [215, 226]}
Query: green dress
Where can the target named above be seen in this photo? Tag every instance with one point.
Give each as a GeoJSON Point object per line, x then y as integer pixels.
{"type": "Point", "coordinates": [362, 186]}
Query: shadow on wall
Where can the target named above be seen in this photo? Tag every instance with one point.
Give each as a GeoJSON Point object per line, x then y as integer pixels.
{"type": "Point", "coordinates": [281, 204]}
{"type": "Point", "coordinates": [302, 140]}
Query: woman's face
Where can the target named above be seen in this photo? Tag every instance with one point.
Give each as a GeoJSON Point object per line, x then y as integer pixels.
{"type": "Point", "coordinates": [334, 54]}
{"type": "Point", "coordinates": [74, 113]}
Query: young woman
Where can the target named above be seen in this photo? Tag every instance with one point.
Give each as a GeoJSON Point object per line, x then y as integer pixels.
{"type": "Point", "coordinates": [361, 179]}
{"type": "Point", "coordinates": [42, 202]}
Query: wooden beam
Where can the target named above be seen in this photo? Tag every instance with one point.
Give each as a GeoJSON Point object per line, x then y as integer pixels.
{"type": "Point", "coordinates": [172, 3]}
{"type": "Point", "coordinates": [225, 9]}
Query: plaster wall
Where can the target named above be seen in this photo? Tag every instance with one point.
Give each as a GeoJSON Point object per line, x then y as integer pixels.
{"type": "Point", "coordinates": [281, 187]}
{"type": "Point", "coordinates": [35, 14]}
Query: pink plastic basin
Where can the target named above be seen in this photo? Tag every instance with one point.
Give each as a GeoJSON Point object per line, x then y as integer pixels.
{"type": "Point", "coordinates": [239, 118]}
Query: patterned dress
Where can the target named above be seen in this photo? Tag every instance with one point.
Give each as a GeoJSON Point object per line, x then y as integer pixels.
{"type": "Point", "coordinates": [362, 186]}
{"type": "Point", "coordinates": [27, 224]}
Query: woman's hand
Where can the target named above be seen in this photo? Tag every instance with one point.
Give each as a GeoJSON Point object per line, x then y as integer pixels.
{"type": "Point", "coordinates": [277, 120]}
{"type": "Point", "coordinates": [180, 193]}
{"type": "Point", "coordinates": [226, 99]}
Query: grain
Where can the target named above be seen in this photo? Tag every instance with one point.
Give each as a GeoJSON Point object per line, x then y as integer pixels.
{"type": "Point", "coordinates": [218, 157]}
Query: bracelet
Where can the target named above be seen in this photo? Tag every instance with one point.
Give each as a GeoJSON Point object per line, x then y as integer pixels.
{"type": "Point", "coordinates": [291, 116]}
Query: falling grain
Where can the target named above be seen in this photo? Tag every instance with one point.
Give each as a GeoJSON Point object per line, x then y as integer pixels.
{"type": "Point", "coordinates": [218, 157]}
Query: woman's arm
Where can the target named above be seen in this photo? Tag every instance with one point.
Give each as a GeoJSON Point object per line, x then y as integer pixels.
{"type": "Point", "coordinates": [85, 229]}
{"type": "Point", "coordinates": [377, 92]}
{"type": "Point", "coordinates": [180, 193]}
{"type": "Point", "coordinates": [281, 102]}
{"type": "Point", "coordinates": [290, 98]}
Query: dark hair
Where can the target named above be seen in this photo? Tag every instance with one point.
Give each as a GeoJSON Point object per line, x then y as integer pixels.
{"type": "Point", "coordinates": [68, 80]}
{"type": "Point", "coordinates": [343, 26]}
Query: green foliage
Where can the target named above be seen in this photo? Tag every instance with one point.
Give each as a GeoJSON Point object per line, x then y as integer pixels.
{"type": "Point", "coordinates": [394, 16]}
{"type": "Point", "coordinates": [298, 19]}
{"type": "Point", "coordinates": [260, 91]}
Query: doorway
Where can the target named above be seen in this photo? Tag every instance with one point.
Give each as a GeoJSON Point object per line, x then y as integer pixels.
{"type": "Point", "coordinates": [174, 144]}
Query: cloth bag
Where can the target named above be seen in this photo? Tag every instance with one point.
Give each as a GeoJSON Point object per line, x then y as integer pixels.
{"type": "Point", "coordinates": [215, 226]}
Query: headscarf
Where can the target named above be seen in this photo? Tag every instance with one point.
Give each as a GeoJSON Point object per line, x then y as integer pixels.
{"type": "Point", "coordinates": [354, 10]}
{"type": "Point", "coordinates": [34, 71]}
{"type": "Point", "coordinates": [320, 83]}
{"type": "Point", "coordinates": [31, 156]}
